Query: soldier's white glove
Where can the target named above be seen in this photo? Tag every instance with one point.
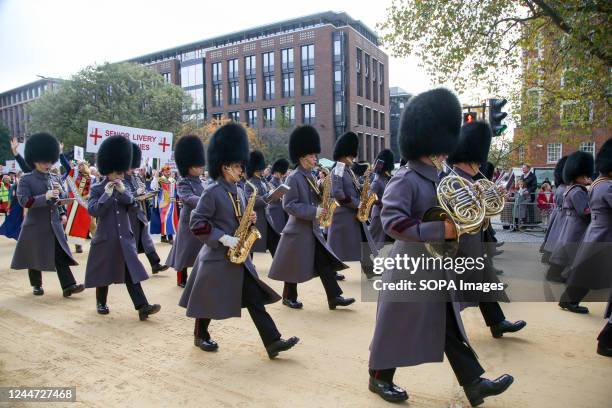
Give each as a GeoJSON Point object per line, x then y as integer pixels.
{"type": "Point", "coordinates": [51, 194]}
{"type": "Point", "coordinates": [108, 188]}
{"type": "Point", "coordinates": [120, 186]}
{"type": "Point", "coordinates": [140, 191]}
{"type": "Point", "coordinates": [229, 241]}
{"type": "Point", "coordinates": [319, 212]}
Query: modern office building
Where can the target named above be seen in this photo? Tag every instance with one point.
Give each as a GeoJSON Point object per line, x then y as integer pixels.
{"type": "Point", "coordinates": [325, 69]}
{"type": "Point", "coordinates": [14, 101]}
{"type": "Point", "coordinates": [397, 100]}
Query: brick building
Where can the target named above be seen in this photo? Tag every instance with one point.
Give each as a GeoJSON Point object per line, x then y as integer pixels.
{"type": "Point", "coordinates": [14, 101]}
{"type": "Point", "coordinates": [325, 69]}
{"type": "Point", "coordinates": [397, 100]}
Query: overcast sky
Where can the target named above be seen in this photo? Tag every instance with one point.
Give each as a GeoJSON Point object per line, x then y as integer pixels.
{"type": "Point", "coordinates": [59, 37]}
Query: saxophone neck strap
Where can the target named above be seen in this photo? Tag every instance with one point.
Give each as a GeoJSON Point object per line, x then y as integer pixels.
{"type": "Point", "coordinates": [235, 200]}
{"type": "Point", "coordinates": [313, 185]}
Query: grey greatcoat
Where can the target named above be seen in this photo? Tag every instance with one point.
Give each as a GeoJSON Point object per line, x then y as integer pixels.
{"type": "Point", "coordinates": [592, 266]}
{"type": "Point", "coordinates": [376, 229]}
{"type": "Point", "coordinates": [214, 288]}
{"type": "Point", "coordinates": [411, 333]}
{"type": "Point", "coordinates": [263, 218]}
{"type": "Point", "coordinates": [36, 244]}
{"type": "Point", "coordinates": [346, 233]}
{"type": "Point", "coordinates": [113, 247]}
{"type": "Point", "coordinates": [575, 220]}
{"type": "Point", "coordinates": [294, 260]}
{"type": "Point", "coordinates": [186, 246]}
{"type": "Point", "coordinates": [274, 211]}
{"type": "Point", "coordinates": [138, 219]}
{"type": "Point", "coordinates": [555, 220]}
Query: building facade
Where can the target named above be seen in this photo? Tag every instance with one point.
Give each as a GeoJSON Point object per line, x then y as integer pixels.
{"type": "Point", "coordinates": [397, 100]}
{"type": "Point", "coordinates": [326, 70]}
{"type": "Point", "coordinates": [13, 104]}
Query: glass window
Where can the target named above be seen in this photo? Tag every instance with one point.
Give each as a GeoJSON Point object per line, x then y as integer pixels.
{"type": "Point", "coordinates": [308, 55]}
{"type": "Point", "coordinates": [382, 121]}
{"type": "Point", "coordinates": [588, 147]}
{"type": "Point", "coordinates": [251, 90]}
{"type": "Point", "coordinates": [375, 119]}
{"type": "Point", "coordinates": [288, 113]}
{"type": "Point", "coordinates": [251, 116]}
{"type": "Point", "coordinates": [199, 74]}
{"type": "Point", "coordinates": [308, 113]}
{"type": "Point", "coordinates": [217, 116]}
{"type": "Point", "coordinates": [269, 87]}
{"type": "Point", "coordinates": [287, 59]}
{"type": "Point", "coordinates": [521, 153]}
{"type": "Point", "coordinates": [250, 65]}
{"type": "Point", "coordinates": [234, 116]}
{"type": "Point", "coordinates": [232, 68]}
{"type": "Point", "coordinates": [360, 114]}
{"type": "Point", "coordinates": [234, 92]}
{"type": "Point", "coordinates": [268, 62]}
{"type": "Point", "coordinates": [553, 152]}
{"type": "Point", "coordinates": [308, 82]}
{"type": "Point", "coordinates": [269, 117]}
{"type": "Point", "coordinates": [217, 73]}
{"type": "Point", "coordinates": [337, 47]}
{"type": "Point", "coordinates": [369, 148]}
{"type": "Point", "coordinates": [217, 95]}
{"type": "Point", "coordinates": [368, 117]}
{"type": "Point", "coordinates": [288, 85]}
{"type": "Point", "coordinates": [381, 81]}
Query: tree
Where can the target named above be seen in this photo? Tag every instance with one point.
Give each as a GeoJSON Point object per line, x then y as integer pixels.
{"type": "Point", "coordinates": [205, 131]}
{"type": "Point", "coordinates": [125, 94]}
{"type": "Point", "coordinates": [5, 144]}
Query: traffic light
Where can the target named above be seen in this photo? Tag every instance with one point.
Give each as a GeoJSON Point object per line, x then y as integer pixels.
{"type": "Point", "coordinates": [496, 115]}
{"type": "Point", "coordinates": [469, 117]}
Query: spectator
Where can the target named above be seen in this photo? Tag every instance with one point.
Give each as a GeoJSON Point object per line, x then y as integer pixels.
{"type": "Point", "coordinates": [546, 200]}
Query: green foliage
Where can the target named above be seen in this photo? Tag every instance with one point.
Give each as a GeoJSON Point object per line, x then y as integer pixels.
{"type": "Point", "coordinates": [5, 144]}
{"type": "Point", "coordinates": [124, 94]}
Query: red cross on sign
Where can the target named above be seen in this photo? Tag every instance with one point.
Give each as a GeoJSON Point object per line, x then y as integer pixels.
{"type": "Point", "coordinates": [163, 144]}
{"type": "Point", "coordinates": [95, 136]}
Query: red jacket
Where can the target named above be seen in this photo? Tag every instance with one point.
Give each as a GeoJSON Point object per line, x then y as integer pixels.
{"type": "Point", "coordinates": [544, 202]}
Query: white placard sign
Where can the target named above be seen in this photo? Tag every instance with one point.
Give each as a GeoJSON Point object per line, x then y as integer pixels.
{"type": "Point", "coordinates": [11, 166]}
{"type": "Point", "coordinates": [153, 143]}
{"type": "Point", "coordinates": [79, 153]}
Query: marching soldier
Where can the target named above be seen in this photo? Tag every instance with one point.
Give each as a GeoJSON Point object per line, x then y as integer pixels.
{"type": "Point", "coordinates": [42, 244]}
{"type": "Point", "coordinates": [382, 177]}
{"type": "Point", "coordinates": [604, 340]}
{"type": "Point", "coordinates": [554, 225]}
{"type": "Point", "coordinates": [590, 267]}
{"type": "Point", "coordinates": [409, 333]}
{"type": "Point", "coordinates": [113, 256]}
{"type": "Point", "coordinates": [577, 173]}
{"type": "Point", "coordinates": [269, 237]}
{"type": "Point", "coordinates": [218, 288]}
{"type": "Point", "coordinates": [278, 216]}
{"type": "Point", "coordinates": [471, 152]}
{"type": "Point", "coordinates": [190, 160]}
{"type": "Point", "coordinates": [349, 238]}
{"type": "Point", "coordinates": [138, 217]}
{"type": "Point", "coordinates": [302, 252]}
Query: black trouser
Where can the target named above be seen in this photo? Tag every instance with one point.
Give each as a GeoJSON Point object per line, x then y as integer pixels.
{"type": "Point", "coordinates": [461, 358]}
{"type": "Point", "coordinates": [574, 294]}
{"type": "Point", "coordinates": [181, 276]}
{"type": "Point", "coordinates": [367, 265]}
{"type": "Point", "coordinates": [62, 266]}
{"type": "Point", "coordinates": [492, 313]}
{"type": "Point", "coordinates": [326, 272]}
{"type": "Point", "coordinates": [134, 289]}
{"type": "Point", "coordinates": [272, 239]}
{"type": "Point", "coordinates": [153, 258]}
{"type": "Point", "coordinates": [253, 300]}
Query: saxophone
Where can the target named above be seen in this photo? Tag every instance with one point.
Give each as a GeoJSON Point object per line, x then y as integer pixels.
{"type": "Point", "coordinates": [366, 201]}
{"type": "Point", "coordinates": [247, 233]}
{"type": "Point", "coordinates": [327, 201]}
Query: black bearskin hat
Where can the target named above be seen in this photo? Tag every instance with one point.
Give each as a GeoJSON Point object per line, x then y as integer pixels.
{"type": "Point", "coordinates": [388, 158]}
{"type": "Point", "coordinates": [136, 156]}
{"type": "Point", "coordinates": [256, 162]}
{"type": "Point", "coordinates": [302, 141]}
{"type": "Point", "coordinates": [229, 144]}
{"type": "Point", "coordinates": [189, 152]}
{"type": "Point", "coordinates": [430, 124]}
{"type": "Point", "coordinates": [473, 145]}
{"type": "Point", "coordinates": [346, 145]}
{"type": "Point", "coordinates": [603, 162]}
{"type": "Point", "coordinates": [115, 154]}
{"type": "Point", "coordinates": [281, 166]}
{"type": "Point", "coordinates": [558, 175]}
{"type": "Point", "coordinates": [41, 148]}
{"type": "Point", "coordinates": [488, 170]}
{"type": "Point", "coordinates": [359, 168]}
{"type": "Point", "coordinates": [578, 164]}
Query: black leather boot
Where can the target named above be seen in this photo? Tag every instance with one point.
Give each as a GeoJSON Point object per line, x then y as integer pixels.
{"type": "Point", "coordinates": [340, 301]}
{"type": "Point", "coordinates": [146, 310]}
{"type": "Point", "coordinates": [604, 345]}
{"type": "Point", "coordinates": [206, 344]}
{"type": "Point", "coordinates": [574, 307]}
{"type": "Point", "coordinates": [102, 309]}
{"type": "Point", "coordinates": [37, 291]}
{"type": "Point", "coordinates": [483, 388]}
{"type": "Point", "coordinates": [387, 390]}
{"type": "Point", "coordinates": [293, 304]}
{"type": "Point", "coordinates": [507, 327]}
{"type": "Point", "coordinates": [73, 289]}
{"type": "Point", "coordinates": [281, 345]}
{"type": "Point", "coordinates": [155, 269]}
